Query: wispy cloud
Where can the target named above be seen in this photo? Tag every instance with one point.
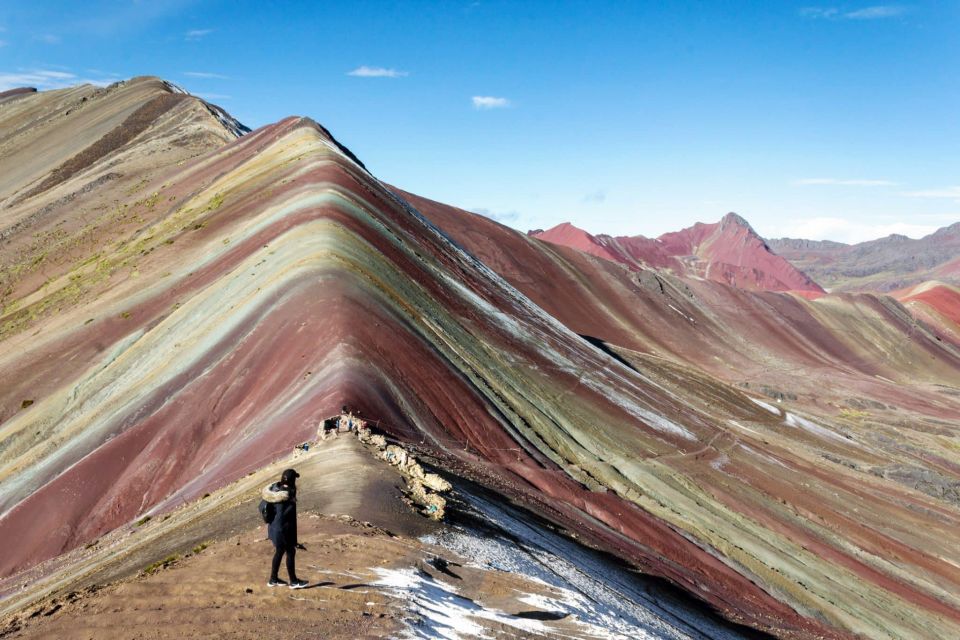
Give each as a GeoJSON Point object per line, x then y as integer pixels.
{"type": "Point", "coordinates": [595, 197]}
{"type": "Point", "coordinates": [503, 217]}
{"type": "Point", "coordinates": [205, 75]}
{"type": "Point", "coordinates": [58, 75]}
{"type": "Point", "coordinates": [950, 193]}
{"type": "Point", "coordinates": [819, 12]}
{"type": "Point", "coordinates": [844, 183]}
{"type": "Point", "coordinates": [489, 102]}
{"type": "Point", "coordinates": [44, 79]}
{"type": "Point", "coordinates": [213, 96]}
{"type": "Point", "coordinates": [877, 12]}
{"type": "Point", "coordinates": [3, 43]}
{"type": "Point", "coordinates": [376, 72]}
{"type": "Point", "coordinates": [841, 230]}
{"type": "Point", "coordinates": [48, 38]}
{"type": "Point", "coordinates": [196, 34]}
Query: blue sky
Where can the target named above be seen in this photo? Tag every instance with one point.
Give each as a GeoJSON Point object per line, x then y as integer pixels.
{"type": "Point", "coordinates": [819, 120]}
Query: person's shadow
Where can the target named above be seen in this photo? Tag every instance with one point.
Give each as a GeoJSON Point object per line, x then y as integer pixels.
{"type": "Point", "coordinates": [318, 584]}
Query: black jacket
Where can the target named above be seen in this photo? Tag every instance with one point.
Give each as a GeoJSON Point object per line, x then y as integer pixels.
{"type": "Point", "coordinates": [282, 530]}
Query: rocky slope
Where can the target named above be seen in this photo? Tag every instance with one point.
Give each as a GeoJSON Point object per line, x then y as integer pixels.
{"type": "Point", "coordinates": [859, 387]}
{"type": "Point", "coordinates": [728, 251]}
{"type": "Point", "coordinates": [936, 304]}
{"type": "Point", "coordinates": [375, 568]}
{"type": "Point", "coordinates": [233, 297]}
{"type": "Point", "coordinates": [883, 265]}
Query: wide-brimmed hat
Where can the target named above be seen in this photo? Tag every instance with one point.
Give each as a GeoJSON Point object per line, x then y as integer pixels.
{"type": "Point", "coordinates": [288, 475]}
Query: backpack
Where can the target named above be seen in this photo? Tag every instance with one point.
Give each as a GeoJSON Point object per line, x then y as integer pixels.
{"type": "Point", "coordinates": [267, 511]}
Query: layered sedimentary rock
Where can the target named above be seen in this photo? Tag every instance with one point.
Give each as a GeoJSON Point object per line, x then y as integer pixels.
{"type": "Point", "coordinates": [728, 251]}
{"type": "Point", "coordinates": [938, 305]}
{"type": "Point", "coordinates": [231, 301]}
{"type": "Point", "coordinates": [879, 392]}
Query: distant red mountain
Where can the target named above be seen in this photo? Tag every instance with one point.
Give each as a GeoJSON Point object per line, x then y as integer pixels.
{"type": "Point", "coordinates": [728, 251]}
{"type": "Point", "coordinates": [937, 304]}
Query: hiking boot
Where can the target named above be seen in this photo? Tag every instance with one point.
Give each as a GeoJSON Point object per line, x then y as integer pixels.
{"type": "Point", "coordinates": [298, 584]}
{"type": "Point", "coordinates": [275, 582]}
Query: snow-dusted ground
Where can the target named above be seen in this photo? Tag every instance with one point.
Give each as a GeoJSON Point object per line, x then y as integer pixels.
{"type": "Point", "coordinates": [594, 595]}
{"type": "Point", "coordinates": [440, 612]}
{"type": "Point", "coordinates": [769, 407]}
{"type": "Point", "coordinates": [792, 420]}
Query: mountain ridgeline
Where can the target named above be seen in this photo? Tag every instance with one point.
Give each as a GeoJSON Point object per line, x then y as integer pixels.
{"type": "Point", "coordinates": [184, 302]}
{"type": "Point", "coordinates": [885, 265]}
{"type": "Point", "coordinates": [728, 251]}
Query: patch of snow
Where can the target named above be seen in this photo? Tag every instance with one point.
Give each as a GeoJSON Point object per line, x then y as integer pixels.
{"type": "Point", "coordinates": [769, 407]}
{"type": "Point", "coordinates": [229, 123]}
{"type": "Point", "coordinates": [175, 87]}
{"type": "Point", "coordinates": [639, 412]}
{"type": "Point", "coordinates": [734, 423]}
{"type": "Point", "coordinates": [441, 612]}
{"type": "Point", "coordinates": [605, 597]}
{"type": "Point", "coordinates": [721, 460]}
{"type": "Point", "coordinates": [681, 313]}
{"type": "Point", "coordinates": [764, 456]}
{"type": "Point", "coordinates": [792, 420]}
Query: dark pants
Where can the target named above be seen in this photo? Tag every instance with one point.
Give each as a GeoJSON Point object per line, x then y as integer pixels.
{"type": "Point", "coordinates": [291, 551]}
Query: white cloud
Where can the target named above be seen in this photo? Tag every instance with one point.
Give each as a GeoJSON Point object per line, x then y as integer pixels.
{"type": "Point", "coordinates": [876, 12]}
{"type": "Point", "coordinates": [376, 72]}
{"type": "Point", "coordinates": [196, 34]}
{"type": "Point", "coordinates": [59, 75]}
{"type": "Point", "coordinates": [845, 183]}
{"type": "Point", "coordinates": [489, 102]}
{"type": "Point", "coordinates": [45, 79]}
{"type": "Point", "coordinates": [213, 96]}
{"type": "Point", "coordinates": [503, 217]}
{"type": "Point", "coordinates": [205, 74]}
{"type": "Point", "coordinates": [951, 193]}
{"type": "Point", "coordinates": [841, 230]}
{"type": "Point", "coordinates": [819, 12]}
{"type": "Point", "coordinates": [48, 38]}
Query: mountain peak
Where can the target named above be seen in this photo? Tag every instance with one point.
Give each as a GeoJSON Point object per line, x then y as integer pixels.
{"type": "Point", "coordinates": [729, 251]}
{"type": "Point", "coordinates": [733, 219]}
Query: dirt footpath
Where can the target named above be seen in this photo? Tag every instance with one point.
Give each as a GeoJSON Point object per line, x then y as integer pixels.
{"type": "Point", "coordinates": [220, 592]}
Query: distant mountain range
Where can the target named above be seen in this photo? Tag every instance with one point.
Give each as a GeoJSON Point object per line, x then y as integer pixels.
{"type": "Point", "coordinates": [728, 251]}
{"type": "Point", "coordinates": [884, 265]}
{"type": "Point", "coordinates": [183, 303]}
{"type": "Point", "coordinates": [731, 251]}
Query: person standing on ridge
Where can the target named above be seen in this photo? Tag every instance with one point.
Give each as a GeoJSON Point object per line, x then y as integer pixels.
{"type": "Point", "coordinates": [282, 529]}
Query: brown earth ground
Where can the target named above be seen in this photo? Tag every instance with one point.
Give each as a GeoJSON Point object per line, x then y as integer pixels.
{"type": "Point", "coordinates": [201, 571]}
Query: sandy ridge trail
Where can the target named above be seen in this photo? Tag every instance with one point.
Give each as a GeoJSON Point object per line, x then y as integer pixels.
{"type": "Point", "coordinates": [365, 583]}
{"type": "Point", "coordinates": [337, 478]}
{"type": "Point", "coordinates": [376, 569]}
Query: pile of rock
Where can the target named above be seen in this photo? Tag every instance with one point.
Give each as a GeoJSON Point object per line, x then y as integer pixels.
{"type": "Point", "coordinates": [423, 488]}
